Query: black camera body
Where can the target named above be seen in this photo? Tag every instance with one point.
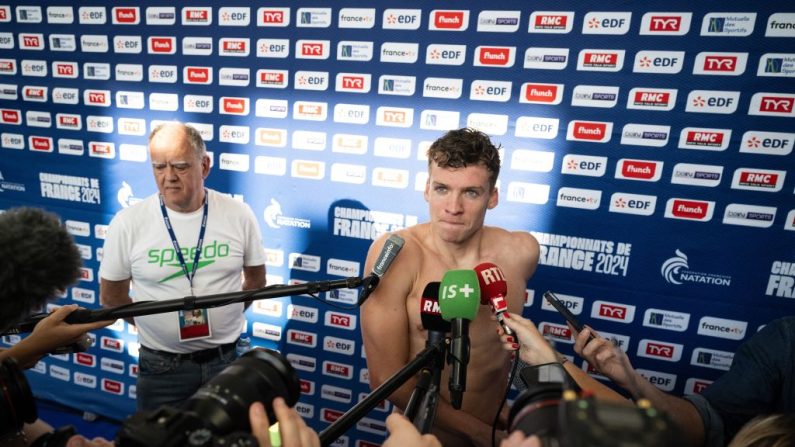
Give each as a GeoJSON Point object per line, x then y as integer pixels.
{"type": "Point", "coordinates": [561, 416]}
{"type": "Point", "coordinates": [217, 414]}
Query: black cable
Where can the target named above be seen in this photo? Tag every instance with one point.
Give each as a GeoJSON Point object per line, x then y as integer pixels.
{"type": "Point", "coordinates": [504, 399]}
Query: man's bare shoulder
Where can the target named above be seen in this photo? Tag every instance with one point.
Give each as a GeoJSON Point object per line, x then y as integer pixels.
{"type": "Point", "coordinates": [503, 237]}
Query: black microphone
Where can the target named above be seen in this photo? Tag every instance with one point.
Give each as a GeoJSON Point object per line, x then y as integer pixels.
{"type": "Point", "coordinates": [388, 253]}
{"type": "Point", "coordinates": [431, 316]}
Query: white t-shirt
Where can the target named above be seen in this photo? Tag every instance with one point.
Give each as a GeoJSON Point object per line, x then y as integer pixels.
{"type": "Point", "coordinates": [139, 247]}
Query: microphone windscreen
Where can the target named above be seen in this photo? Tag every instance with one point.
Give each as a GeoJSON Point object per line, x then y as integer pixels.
{"type": "Point", "coordinates": [459, 295]}
{"type": "Point", "coordinates": [429, 309]}
{"type": "Point", "coordinates": [491, 281]}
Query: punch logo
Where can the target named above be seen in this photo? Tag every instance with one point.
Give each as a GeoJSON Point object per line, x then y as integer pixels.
{"type": "Point", "coordinates": [499, 21]}
{"type": "Point", "coordinates": [126, 15]}
{"type": "Point", "coordinates": [312, 49]}
{"type": "Point", "coordinates": [448, 20]}
{"type": "Point", "coordinates": [559, 22]}
{"type": "Point", "coordinates": [613, 23]}
{"type": "Point", "coordinates": [587, 165]}
{"type": "Point", "coordinates": [724, 24]}
{"type": "Point", "coordinates": [550, 94]}
{"type": "Point", "coordinates": [698, 210]}
{"type": "Point", "coordinates": [665, 23]}
{"type": "Point", "coordinates": [494, 56]}
{"type": "Point", "coordinates": [233, 47]}
{"type": "Point", "coordinates": [645, 170]}
{"type": "Point", "coordinates": [712, 101]}
{"type": "Point", "coordinates": [161, 45]}
{"type": "Point", "coordinates": [353, 82]}
{"type": "Point", "coordinates": [399, 52]}
{"type": "Point", "coordinates": [658, 62]}
{"type": "Point", "coordinates": [201, 16]}
{"type": "Point", "coordinates": [197, 75]}
{"type": "Point", "coordinates": [749, 215]}
{"type": "Point", "coordinates": [780, 24]}
{"type": "Point", "coordinates": [772, 104]}
{"type": "Point", "coordinates": [271, 137]}
{"type": "Point", "coordinates": [11, 116]}
{"type": "Point", "coordinates": [233, 106]}
{"type": "Point", "coordinates": [651, 99]}
{"type": "Point", "coordinates": [594, 96]}
{"type": "Point", "coordinates": [666, 319]}
{"type": "Point", "coordinates": [546, 58]}
{"type": "Point", "coordinates": [481, 90]}
{"type": "Point", "coordinates": [588, 199]}
{"type": "Point", "coordinates": [589, 131]}
{"type": "Point", "coordinates": [758, 179]}
{"type": "Point", "coordinates": [438, 54]}
{"type": "Point", "coordinates": [645, 135]}
{"type": "Point", "coordinates": [277, 17]}
{"type": "Point", "coordinates": [722, 64]}
{"type": "Point", "coordinates": [676, 271]}
{"type": "Point", "coordinates": [770, 143]}
{"type": "Point", "coordinates": [658, 350]}
{"type": "Point", "coordinates": [402, 19]}
{"type": "Point", "coordinates": [698, 175]}
{"type": "Point", "coordinates": [600, 60]}
{"type": "Point", "coordinates": [112, 387]}
{"type": "Point", "coordinates": [705, 139]}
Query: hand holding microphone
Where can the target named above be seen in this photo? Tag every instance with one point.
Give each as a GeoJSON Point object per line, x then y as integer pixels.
{"type": "Point", "coordinates": [459, 298]}
{"type": "Point", "coordinates": [494, 289]}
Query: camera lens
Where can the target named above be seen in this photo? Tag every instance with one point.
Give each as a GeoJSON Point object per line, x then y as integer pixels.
{"type": "Point", "coordinates": [535, 411]}
{"type": "Point", "coordinates": [16, 401]}
{"type": "Point", "coordinates": [258, 375]}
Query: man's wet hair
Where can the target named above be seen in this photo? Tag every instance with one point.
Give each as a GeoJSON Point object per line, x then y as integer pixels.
{"type": "Point", "coordinates": [466, 147]}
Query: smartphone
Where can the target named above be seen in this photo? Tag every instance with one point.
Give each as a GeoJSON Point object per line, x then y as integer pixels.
{"type": "Point", "coordinates": [560, 307]}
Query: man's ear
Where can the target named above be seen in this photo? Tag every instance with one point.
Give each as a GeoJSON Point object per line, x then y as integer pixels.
{"type": "Point", "coordinates": [427, 192]}
{"type": "Point", "coordinates": [205, 166]}
{"type": "Point", "coordinates": [494, 198]}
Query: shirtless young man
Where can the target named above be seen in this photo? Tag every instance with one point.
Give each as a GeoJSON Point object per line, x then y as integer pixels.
{"type": "Point", "coordinates": [463, 167]}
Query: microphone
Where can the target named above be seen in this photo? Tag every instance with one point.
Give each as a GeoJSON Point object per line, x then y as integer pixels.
{"type": "Point", "coordinates": [430, 314]}
{"type": "Point", "coordinates": [459, 297]}
{"type": "Point", "coordinates": [494, 288]}
{"type": "Point", "coordinates": [388, 253]}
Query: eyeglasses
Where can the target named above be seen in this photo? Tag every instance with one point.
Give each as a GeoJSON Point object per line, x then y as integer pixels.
{"type": "Point", "coordinates": [179, 166]}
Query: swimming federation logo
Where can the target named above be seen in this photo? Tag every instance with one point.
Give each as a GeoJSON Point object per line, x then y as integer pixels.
{"type": "Point", "coordinates": [676, 270]}
{"type": "Point", "coordinates": [275, 219]}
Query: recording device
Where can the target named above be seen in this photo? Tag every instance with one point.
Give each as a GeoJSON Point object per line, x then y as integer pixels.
{"type": "Point", "coordinates": [431, 315]}
{"type": "Point", "coordinates": [217, 414]}
{"type": "Point", "coordinates": [560, 307]}
{"type": "Point", "coordinates": [561, 417]}
{"type": "Point", "coordinates": [493, 289]}
{"type": "Point", "coordinates": [459, 298]}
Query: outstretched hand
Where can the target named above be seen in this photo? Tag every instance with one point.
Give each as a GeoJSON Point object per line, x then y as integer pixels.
{"type": "Point", "coordinates": [534, 348]}
{"type": "Point", "coordinates": [605, 356]}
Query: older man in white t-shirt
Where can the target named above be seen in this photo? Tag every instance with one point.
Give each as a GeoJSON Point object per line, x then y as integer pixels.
{"type": "Point", "coordinates": [184, 240]}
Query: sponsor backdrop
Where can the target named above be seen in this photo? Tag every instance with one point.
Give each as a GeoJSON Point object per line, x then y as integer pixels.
{"type": "Point", "coordinates": [648, 148]}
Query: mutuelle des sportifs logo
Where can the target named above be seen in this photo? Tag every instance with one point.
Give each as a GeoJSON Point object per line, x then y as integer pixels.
{"type": "Point", "coordinates": [676, 270]}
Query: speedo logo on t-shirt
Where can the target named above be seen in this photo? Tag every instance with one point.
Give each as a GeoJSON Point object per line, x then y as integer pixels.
{"type": "Point", "coordinates": [167, 257]}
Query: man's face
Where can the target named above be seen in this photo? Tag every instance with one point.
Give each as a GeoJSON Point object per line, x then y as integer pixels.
{"type": "Point", "coordinates": [458, 200]}
{"type": "Point", "coordinates": [179, 173]}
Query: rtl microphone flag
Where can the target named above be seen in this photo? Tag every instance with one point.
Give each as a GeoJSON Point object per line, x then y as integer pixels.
{"type": "Point", "coordinates": [494, 288]}
{"type": "Point", "coordinates": [459, 295]}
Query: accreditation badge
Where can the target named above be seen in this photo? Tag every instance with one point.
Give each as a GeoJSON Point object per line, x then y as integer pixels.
{"type": "Point", "coordinates": [194, 324]}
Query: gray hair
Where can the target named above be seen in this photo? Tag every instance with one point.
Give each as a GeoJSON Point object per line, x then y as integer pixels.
{"type": "Point", "coordinates": [194, 137]}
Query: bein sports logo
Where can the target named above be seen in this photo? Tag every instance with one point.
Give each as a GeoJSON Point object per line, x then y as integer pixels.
{"type": "Point", "coordinates": [676, 271]}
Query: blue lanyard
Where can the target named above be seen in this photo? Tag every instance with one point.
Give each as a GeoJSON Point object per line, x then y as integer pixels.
{"type": "Point", "coordinates": [199, 244]}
